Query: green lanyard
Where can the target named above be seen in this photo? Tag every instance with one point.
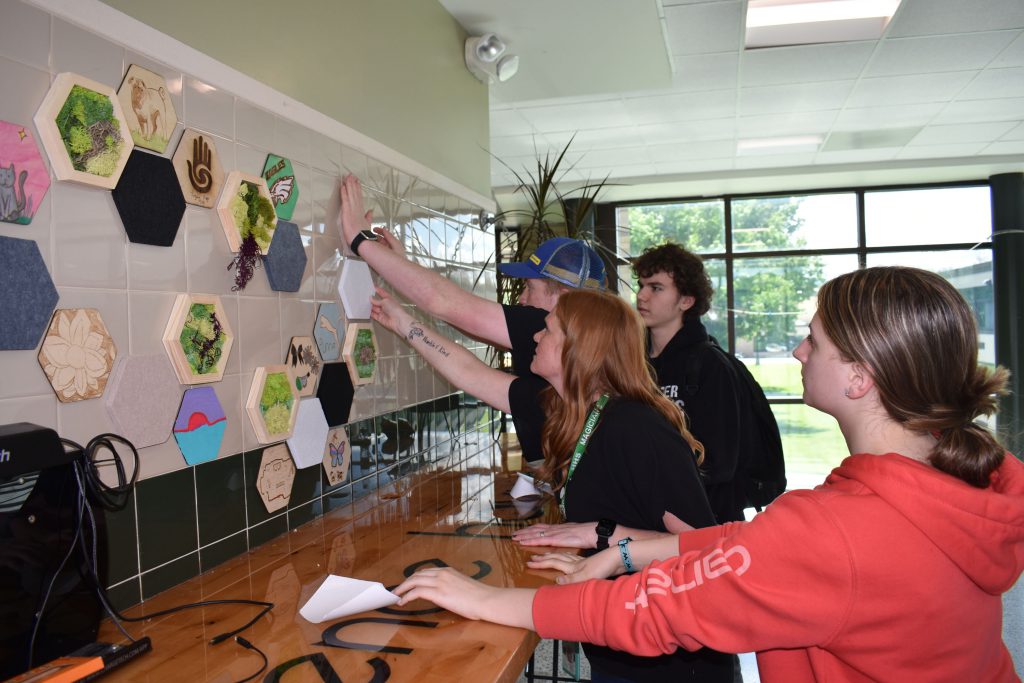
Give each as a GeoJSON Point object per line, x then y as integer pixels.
{"type": "Point", "coordinates": [581, 443]}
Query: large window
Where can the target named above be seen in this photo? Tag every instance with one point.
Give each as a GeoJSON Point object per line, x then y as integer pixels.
{"type": "Point", "coordinates": [767, 256]}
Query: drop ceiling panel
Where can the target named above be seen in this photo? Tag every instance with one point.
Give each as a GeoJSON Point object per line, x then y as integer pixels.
{"type": "Point", "coordinates": [1013, 55]}
{"type": "Point", "coordinates": [779, 125]}
{"type": "Point", "coordinates": [680, 166]}
{"type": "Point", "coordinates": [625, 156]}
{"type": "Point", "coordinates": [929, 17]}
{"type": "Point", "coordinates": [706, 27]}
{"type": "Point", "coordinates": [715, 104]}
{"type": "Point", "coordinates": [775, 160]}
{"type": "Point", "coordinates": [712, 149]}
{"type": "Point", "coordinates": [856, 156]}
{"type": "Point", "coordinates": [598, 138]}
{"type": "Point", "coordinates": [705, 72]}
{"type": "Point", "coordinates": [605, 114]}
{"type": "Point", "coordinates": [509, 122]}
{"type": "Point", "coordinates": [794, 98]}
{"type": "Point", "coordinates": [1008, 109]}
{"type": "Point", "coordinates": [688, 131]}
{"type": "Point", "coordinates": [1016, 133]}
{"type": "Point", "coordinates": [1008, 147]}
{"type": "Point", "coordinates": [895, 116]}
{"type": "Point", "coordinates": [938, 53]}
{"type": "Point", "coordinates": [945, 151]}
{"type": "Point", "coordinates": [804, 63]}
{"type": "Point", "coordinates": [994, 83]}
{"type": "Point", "coordinates": [517, 145]}
{"type": "Point", "coordinates": [909, 89]}
{"type": "Point", "coordinates": [962, 132]}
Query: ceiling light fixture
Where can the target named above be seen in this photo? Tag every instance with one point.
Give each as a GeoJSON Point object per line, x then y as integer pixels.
{"type": "Point", "coordinates": [486, 59]}
{"type": "Point", "coordinates": [773, 23]}
{"type": "Point", "coordinates": [790, 145]}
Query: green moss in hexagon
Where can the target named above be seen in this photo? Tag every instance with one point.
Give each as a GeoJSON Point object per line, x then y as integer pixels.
{"type": "Point", "coordinates": [276, 403]}
{"type": "Point", "coordinates": [253, 214]}
{"type": "Point", "coordinates": [202, 339]}
{"type": "Point", "coordinates": [364, 354]}
{"type": "Point", "coordinates": [90, 131]}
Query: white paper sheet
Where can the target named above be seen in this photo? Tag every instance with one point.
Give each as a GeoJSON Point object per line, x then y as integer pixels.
{"type": "Point", "coordinates": [340, 596]}
{"type": "Point", "coordinates": [526, 487]}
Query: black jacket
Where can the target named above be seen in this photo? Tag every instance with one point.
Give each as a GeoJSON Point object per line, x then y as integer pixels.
{"type": "Point", "coordinates": [712, 411]}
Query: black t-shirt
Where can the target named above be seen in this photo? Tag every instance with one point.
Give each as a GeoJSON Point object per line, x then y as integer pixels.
{"type": "Point", "coordinates": [636, 467]}
{"type": "Point", "coordinates": [524, 394]}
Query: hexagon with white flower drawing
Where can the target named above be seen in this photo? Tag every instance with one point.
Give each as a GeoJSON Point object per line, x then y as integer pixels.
{"type": "Point", "coordinates": [77, 354]}
{"type": "Point", "coordinates": [198, 338]}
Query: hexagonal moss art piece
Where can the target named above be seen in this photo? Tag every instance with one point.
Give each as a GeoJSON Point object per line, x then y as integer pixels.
{"type": "Point", "coordinates": [148, 109]}
{"type": "Point", "coordinates": [275, 478]}
{"type": "Point", "coordinates": [29, 296]}
{"type": "Point", "coordinates": [142, 399]}
{"type": "Point", "coordinates": [284, 191]}
{"type": "Point", "coordinates": [361, 353]}
{"type": "Point", "coordinates": [77, 354]}
{"type": "Point", "coordinates": [329, 331]}
{"type": "Point", "coordinates": [149, 200]}
{"type": "Point", "coordinates": [246, 212]}
{"type": "Point", "coordinates": [198, 338]}
{"type": "Point", "coordinates": [285, 261]}
{"type": "Point", "coordinates": [355, 287]}
{"type": "Point", "coordinates": [83, 130]}
{"type": "Point", "coordinates": [199, 427]}
{"type": "Point", "coordinates": [308, 440]}
{"type": "Point", "coordinates": [197, 165]}
{"type": "Point", "coordinates": [337, 456]}
{"type": "Point", "coordinates": [303, 360]}
{"type": "Point", "coordinates": [335, 393]}
{"type": "Point", "coordinates": [24, 178]}
{"type": "Point", "coordinates": [272, 405]}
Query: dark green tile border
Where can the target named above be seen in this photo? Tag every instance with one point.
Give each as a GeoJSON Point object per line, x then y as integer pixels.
{"type": "Point", "coordinates": [167, 518]}
{"type": "Point", "coordinates": [122, 543]}
{"type": "Point", "coordinates": [222, 551]}
{"type": "Point", "coordinates": [171, 574]}
{"type": "Point", "coordinates": [220, 495]}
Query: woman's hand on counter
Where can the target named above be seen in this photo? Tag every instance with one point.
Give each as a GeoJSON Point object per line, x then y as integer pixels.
{"type": "Point", "coordinates": [456, 592]}
{"type": "Point", "coordinates": [575, 569]}
{"type": "Point", "coordinates": [567, 535]}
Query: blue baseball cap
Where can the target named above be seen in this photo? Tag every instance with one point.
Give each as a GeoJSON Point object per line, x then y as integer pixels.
{"type": "Point", "coordinates": [562, 259]}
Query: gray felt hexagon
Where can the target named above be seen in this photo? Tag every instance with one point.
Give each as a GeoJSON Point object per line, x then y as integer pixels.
{"type": "Point", "coordinates": [285, 261]}
{"type": "Point", "coordinates": [29, 296]}
{"type": "Point", "coordinates": [148, 197]}
{"type": "Point", "coordinates": [142, 399]}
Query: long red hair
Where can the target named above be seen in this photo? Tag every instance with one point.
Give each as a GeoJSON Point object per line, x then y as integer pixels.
{"type": "Point", "coordinates": [603, 352]}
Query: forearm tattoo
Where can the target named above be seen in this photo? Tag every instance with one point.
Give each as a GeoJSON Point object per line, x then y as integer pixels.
{"type": "Point", "coordinates": [416, 331]}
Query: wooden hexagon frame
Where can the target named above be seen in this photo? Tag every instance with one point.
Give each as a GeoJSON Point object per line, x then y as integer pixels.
{"type": "Point", "coordinates": [361, 353]}
{"type": "Point", "coordinates": [110, 124]}
{"type": "Point", "coordinates": [77, 354]}
{"type": "Point", "coordinates": [272, 393]}
{"type": "Point", "coordinates": [233, 198]}
{"type": "Point", "coordinates": [194, 365]}
{"type": "Point", "coordinates": [197, 165]}
{"type": "Point", "coordinates": [147, 107]}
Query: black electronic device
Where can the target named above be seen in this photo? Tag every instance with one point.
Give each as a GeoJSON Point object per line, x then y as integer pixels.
{"type": "Point", "coordinates": [26, 447]}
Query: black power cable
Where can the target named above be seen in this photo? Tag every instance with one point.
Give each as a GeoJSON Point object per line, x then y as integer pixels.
{"type": "Point", "coordinates": [91, 487]}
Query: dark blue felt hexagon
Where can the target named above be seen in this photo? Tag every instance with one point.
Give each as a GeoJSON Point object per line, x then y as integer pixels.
{"type": "Point", "coordinates": [148, 197]}
{"type": "Point", "coordinates": [285, 261]}
{"type": "Point", "coordinates": [29, 296]}
{"type": "Point", "coordinates": [335, 392]}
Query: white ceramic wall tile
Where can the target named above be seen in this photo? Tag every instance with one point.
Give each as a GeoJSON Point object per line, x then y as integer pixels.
{"type": "Point", "coordinates": [148, 313]}
{"type": "Point", "coordinates": [207, 253]}
{"type": "Point", "coordinates": [22, 377]}
{"type": "Point", "coordinates": [327, 260]}
{"type": "Point", "coordinates": [25, 35]}
{"type": "Point", "coordinates": [158, 268]}
{"type": "Point", "coordinates": [250, 159]}
{"type": "Point", "coordinates": [258, 335]}
{"type": "Point", "coordinates": [302, 216]}
{"type": "Point", "coordinates": [82, 420]}
{"type": "Point", "coordinates": [326, 204]}
{"type": "Point", "coordinates": [325, 154]}
{"type": "Point", "coordinates": [353, 161]}
{"type": "Point", "coordinates": [292, 142]}
{"type": "Point", "coordinates": [161, 459]}
{"type": "Point", "coordinates": [40, 410]}
{"type": "Point", "coordinates": [254, 126]}
{"type": "Point", "coordinates": [297, 320]}
{"type": "Point", "coordinates": [362, 404]}
{"type": "Point", "coordinates": [209, 110]}
{"type": "Point", "coordinates": [87, 54]}
{"type": "Point", "coordinates": [31, 86]}
{"type": "Point", "coordinates": [90, 241]}
{"type": "Point", "coordinates": [229, 393]}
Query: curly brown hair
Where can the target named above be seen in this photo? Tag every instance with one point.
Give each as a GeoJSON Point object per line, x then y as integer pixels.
{"type": "Point", "coordinates": [686, 269]}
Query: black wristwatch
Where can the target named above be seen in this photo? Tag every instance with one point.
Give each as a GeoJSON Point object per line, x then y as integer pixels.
{"type": "Point", "coordinates": [362, 236]}
{"type": "Point", "coordinates": [605, 529]}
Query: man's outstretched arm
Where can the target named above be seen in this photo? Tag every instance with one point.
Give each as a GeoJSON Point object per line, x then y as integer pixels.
{"type": "Point", "coordinates": [429, 291]}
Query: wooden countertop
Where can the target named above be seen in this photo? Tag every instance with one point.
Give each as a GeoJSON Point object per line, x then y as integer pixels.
{"type": "Point", "coordinates": [460, 518]}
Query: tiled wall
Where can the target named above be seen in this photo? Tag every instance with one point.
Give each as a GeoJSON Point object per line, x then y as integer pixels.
{"type": "Point", "coordinates": [184, 520]}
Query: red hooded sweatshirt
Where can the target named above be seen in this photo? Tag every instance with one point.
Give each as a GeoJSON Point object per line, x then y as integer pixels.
{"type": "Point", "coordinates": [889, 571]}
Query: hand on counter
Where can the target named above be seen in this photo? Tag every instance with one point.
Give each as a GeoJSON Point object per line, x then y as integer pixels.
{"type": "Point", "coordinates": [575, 568]}
{"type": "Point", "coordinates": [456, 592]}
{"type": "Point", "coordinates": [567, 535]}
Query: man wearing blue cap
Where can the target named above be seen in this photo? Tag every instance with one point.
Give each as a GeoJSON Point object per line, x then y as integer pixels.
{"type": "Point", "coordinates": [559, 264]}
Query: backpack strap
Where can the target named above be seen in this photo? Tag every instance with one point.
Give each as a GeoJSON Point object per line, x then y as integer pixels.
{"type": "Point", "coordinates": [691, 374]}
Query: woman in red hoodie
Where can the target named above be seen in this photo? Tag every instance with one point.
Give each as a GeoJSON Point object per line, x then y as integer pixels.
{"type": "Point", "coordinates": [891, 570]}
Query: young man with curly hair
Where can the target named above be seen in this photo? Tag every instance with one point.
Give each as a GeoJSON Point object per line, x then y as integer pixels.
{"type": "Point", "coordinates": [675, 291]}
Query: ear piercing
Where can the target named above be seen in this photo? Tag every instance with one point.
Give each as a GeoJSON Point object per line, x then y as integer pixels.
{"type": "Point", "coordinates": [846, 392]}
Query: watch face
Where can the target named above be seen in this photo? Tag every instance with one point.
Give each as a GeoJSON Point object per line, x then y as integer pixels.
{"type": "Point", "coordinates": [369, 234]}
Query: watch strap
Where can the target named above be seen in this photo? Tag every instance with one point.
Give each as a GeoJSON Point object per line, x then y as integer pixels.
{"type": "Point", "coordinates": [605, 529]}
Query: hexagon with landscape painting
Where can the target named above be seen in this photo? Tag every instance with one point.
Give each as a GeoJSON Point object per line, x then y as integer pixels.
{"type": "Point", "coordinates": [77, 354]}
{"type": "Point", "coordinates": [142, 399]}
{"type": "Point", "coordinates": [148, 109]}
{"type": "Point", "coordinates": [272, 405]}
{"type": "Point", "coordinates": [360, 353]}
{"type": "Point", "coordinates": [198, 338]}
{"type": "Point", "coordinates": [355, 287]}
{"type": "Point", "coordinates": [329, 331]}
{"type": "Point", "coordinates": [24, 178]}
{"type": "Point", "coordinates": [199, 427]}
{"type": "Point", "coordinates": [83, 130]}
{"type": "Point", "coordinates": [285, 261]}
{"type": "Point", "coordinates": [197, 164]}
{"type": "Point", "coordinates": [246, 212]}
{"type": "Point", "coordinates": [284, 189]}
{"type": "Point", "coordinates": [149, 200]}
{"type": "Point", "coordinates": [335, 393]}
{"type": "Point", "coordinates": [29, 296]}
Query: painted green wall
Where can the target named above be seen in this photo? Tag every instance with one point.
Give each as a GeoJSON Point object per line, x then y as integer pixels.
{"type": "Point", "coordinates": [391, 69]}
